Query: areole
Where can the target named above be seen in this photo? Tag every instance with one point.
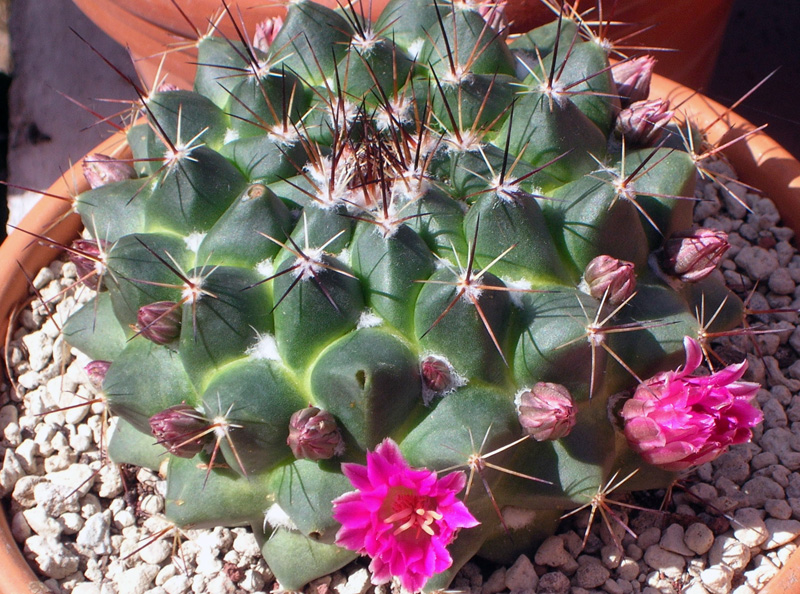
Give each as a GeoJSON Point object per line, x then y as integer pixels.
{"type": "Point", "coordinates": [759, 161]}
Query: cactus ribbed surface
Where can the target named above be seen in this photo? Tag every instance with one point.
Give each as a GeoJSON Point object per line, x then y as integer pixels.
{"type": "Point", "coordinates": [356, 234]}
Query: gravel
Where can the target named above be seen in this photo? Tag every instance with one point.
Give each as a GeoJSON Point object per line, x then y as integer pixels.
{"type": "Point", "coordinates": [90, 529]}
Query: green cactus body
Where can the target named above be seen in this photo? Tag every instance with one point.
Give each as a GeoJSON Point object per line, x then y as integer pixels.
{"type": "Point", "coordinates": [359, 199]}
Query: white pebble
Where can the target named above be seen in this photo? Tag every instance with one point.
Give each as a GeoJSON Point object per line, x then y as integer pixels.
{"type": "Point", "coordinates": [177, 584]}
{"type": "Point", "coordinates": [552, 553]}
{"type": "Point", "coordinates": [699, 538]}
{"type": "Point", "coordinates": [10, 473]}
{"type": "Point", "coordinates": [245, 544]}
{"type": "Point", "coordinates": [749, 527]}
{"type": "Point", "coordinates": [717, 579]}
{"type": "Point", "coordinates": [672, 539]}
{"type": "Point", "coordinates": [40, 349]}
{"type": "Point", "coordinates": [731, 552]}
{"type": "Point", "coordinates": [780, 532]}
{"type": "Point", "coordinates": [357, 583]}
{"type": "Point", "coordinates": [41, 523]}
{"type": "Point", "coordinates": [668, 563]}
{"type": "Point", "coordinates": [590, 575]}
{"type": "Point", "coordinates": [252, 581]}
{"type": "Point", "coordinates": [56, 499]}
{"type": "Point", "coordinates": [52, 557]}
{"type": "Point", "coordinates": [19, 528]}
{"type": "Point", "coordinates": [156, 552]}
{"type": "Point", "coordinates": [95, 536]}
{"type": "Point", "coordinates": [136, 580]}
{"type": "Point", "coordinates": [521, 575]}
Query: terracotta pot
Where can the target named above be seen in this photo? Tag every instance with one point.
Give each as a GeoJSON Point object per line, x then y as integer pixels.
{"type": "Point", "coordinates": [692, 29]}
{"type": "Point", "coordinates": [758, 159]}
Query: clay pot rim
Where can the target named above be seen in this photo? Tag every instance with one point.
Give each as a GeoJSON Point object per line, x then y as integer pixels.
{"type": "Point", "coordinates": [757, 158]}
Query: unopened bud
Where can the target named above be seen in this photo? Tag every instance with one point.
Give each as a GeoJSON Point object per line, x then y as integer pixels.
{"type": "Point", "coordinates": [159, 322]}
{"type": "Point", "coordinates": [100, 170]}
{"type": "Point", "coordinates": [96, 372]}
{"type": "Point", "coordinates": [632, 78]}
{"type": "Point", "coordinates": [436, 374]}
{"type": "Point", "coordinates": [181, 429]}
{"type": "Point", "coordinates": [693, 255]}
{"type": "Point", "coordinates": [642, 123]}
{"type": "Point", "coordinates": [546, 411]}
{"type": "Point", "coordinates": [494, 13]}
{"type": "Point", "coordinates": [610, 279]}
{"type": "Point", "coordinates": [88, 256]}
{"type": "Point", "coordinates": [314, 435]}
{"type": "Point", "coordinates": [167, 87]}
{"type": "Point", "coordinates": [266, 32]}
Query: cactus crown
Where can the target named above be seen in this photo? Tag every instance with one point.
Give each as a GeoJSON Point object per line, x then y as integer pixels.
{"type": "Point", "coordinates": [360, 240]}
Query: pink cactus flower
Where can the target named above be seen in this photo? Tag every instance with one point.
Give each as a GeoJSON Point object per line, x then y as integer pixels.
{"type": "Point", "coordinates": [403, 518]}
{"type": "Point", "coordinates": [676, 420]}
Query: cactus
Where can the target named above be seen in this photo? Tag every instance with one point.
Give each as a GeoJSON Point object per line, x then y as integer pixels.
{"type": "Point", "coordinates": [414, 243]}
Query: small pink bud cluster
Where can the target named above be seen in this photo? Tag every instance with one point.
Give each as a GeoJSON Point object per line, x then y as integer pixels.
{"type": "Point", "coordinates": [546, 411]}
{"type": "Point", "coordinates": [693, 255]}
{"type": "Point", "coordinates": [180, 429]}
{"type": "Point", "coordinates": [88, 256]}
{"type": "Point", "coordinates": [610, 279]}
{"type": "Point", "coordinates": [494, 13]}
{"type": "Point", "coordinates": [436, 374]}
{"type": "Point", "coordinates": [642, 123]}
{"type": "Point", "coordinates": [96, 372]}
{"type": "Point", "coordinates": [266, 32]}
{"type": "Point", "coordinates": [314, 435]}
{"type": "Point", "coordinates": [100, 170]}
{"type": "Point", "coordinates": [159, 322]}
{"type": "Point", "coordinates": [632, 78]}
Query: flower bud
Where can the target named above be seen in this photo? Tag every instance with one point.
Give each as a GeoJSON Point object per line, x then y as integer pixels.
{"type": "Point", "coordinates": [632, 78]}
{"type": "Point", "coordinates": [693, 255]}
{"type": "Point", "coordinates": [159, 322]}
{"type": "Point", "coordinates": [266, 32]}
{"type": "Point", "coordinates": [88, 256]}
{"type": "Point", "coordinates": [314, 435]}
{"type": "Point", "coordinates": [100, 170]}
{"type": "Point", "coordinates": [96, 372]}
{"type": "Point", "coordinates": [494, 13]}
{"type": "Point", "coordinates": [180, 429]}
{"type": "Point", "coordinates": [168, 87]}
{"type": "Point", "coordinates": [609, 278]}
{"type": "Point", "coordinates": [546, 411]}
{"type": "Point", "coordinates": [436, 374]}
{"type": "Point", "coordinates": [642, 123]}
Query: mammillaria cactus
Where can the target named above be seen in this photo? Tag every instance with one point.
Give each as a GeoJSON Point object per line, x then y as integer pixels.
{"type": "Point", "coordinates": [354, 270]}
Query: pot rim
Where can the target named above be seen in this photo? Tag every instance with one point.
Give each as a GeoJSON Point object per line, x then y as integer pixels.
{"type": "Point", "coordinates": [757, 158]}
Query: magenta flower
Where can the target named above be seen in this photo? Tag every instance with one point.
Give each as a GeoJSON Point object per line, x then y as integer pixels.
{"type": "Point", "coordinates": [402, 517]}
{"type": "Point", "coordinates": [676, 420]}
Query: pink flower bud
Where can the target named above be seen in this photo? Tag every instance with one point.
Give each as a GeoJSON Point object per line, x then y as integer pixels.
{"type": "Point", "coordinates": [88, 256]}
{"type": "Point", "coordinates": [181, 429]}
{"type": "Point", "coordinates": [100, 170]}
{"type": "Point", "coordinates": [546, 411]}
{"type": "Point", "coordinates": [96, 372]}
{"type": "Point", "coordinates": [314, 435]}
{"type": "Point", "coordinates": [494, 13]}
{"type": "Point", "coordinates": [675, 420]}
{"type": "Point", "coordinates": [632, 78]}
{"type": "Point", "coordinates": [609, 278]}
{"type": "Point", "coordinates": [167, 88]}
{"type": "Point", "coordinates": [436, 374]}
{"type": "Point", "coordinates": [693, 255]}
{"type": "Point", "coordinates": [642, 123]}
{"type": "Point", "coordinates": [159, 322]}
{"type": "Point", "coordinates": [266, 32]}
